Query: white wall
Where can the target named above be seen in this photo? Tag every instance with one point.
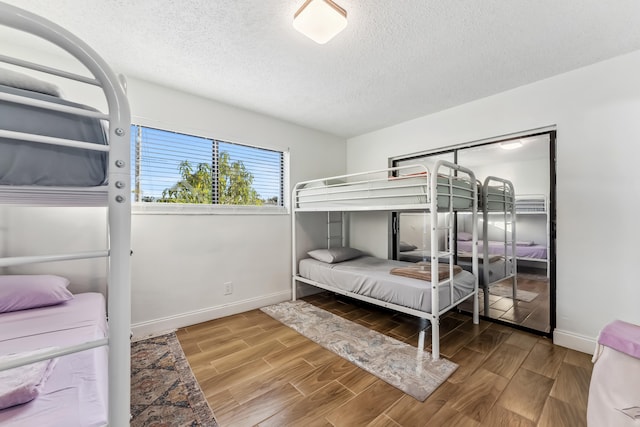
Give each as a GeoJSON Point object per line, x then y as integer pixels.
{"type": "Point", "coordinates": [596, 111]}
{"type": "Point", "coordinates": [527, 177]}
{"type": "Point", "coordinates": [181, 262]}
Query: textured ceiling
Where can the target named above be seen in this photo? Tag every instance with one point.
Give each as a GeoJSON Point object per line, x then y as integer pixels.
{"type": "Point", "coordinates": [396, 60]}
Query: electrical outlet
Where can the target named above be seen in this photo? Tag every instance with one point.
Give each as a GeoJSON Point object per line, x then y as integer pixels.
{"type": "Point", "coordinates": [228, 288]}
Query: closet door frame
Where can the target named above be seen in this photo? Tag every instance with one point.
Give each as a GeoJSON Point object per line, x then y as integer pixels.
{"type": "Point", "coordinates": [394, 217]}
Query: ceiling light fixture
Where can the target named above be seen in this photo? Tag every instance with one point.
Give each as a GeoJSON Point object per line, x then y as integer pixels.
{"type": "Point", "coordinates": [320, 20]}
{"type": "Point", "coordinates": [511, 145]}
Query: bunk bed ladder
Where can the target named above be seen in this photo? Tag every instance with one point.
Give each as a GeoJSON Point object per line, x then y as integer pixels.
{"type": "Point", "coordinates": [336, 229]}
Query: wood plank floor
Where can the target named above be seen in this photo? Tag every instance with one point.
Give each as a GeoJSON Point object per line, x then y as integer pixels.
{"type": "Point", "coordinates": [256, 371]}
{"type": "Point", "coordinates": [533, 314]}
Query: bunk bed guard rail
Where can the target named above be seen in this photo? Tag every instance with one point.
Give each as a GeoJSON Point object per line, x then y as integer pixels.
{"type": "Point", "coordinates": [118, 202]}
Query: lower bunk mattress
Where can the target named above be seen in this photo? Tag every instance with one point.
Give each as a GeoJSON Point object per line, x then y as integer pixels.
{"type": "Point", "coordinates": [76, 392]}
{"type": "Point", "coordinates": [523, 250]}
{"type": "Point", "coordinates": [371, 277]}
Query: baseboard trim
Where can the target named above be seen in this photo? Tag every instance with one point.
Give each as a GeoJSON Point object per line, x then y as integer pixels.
{"type": "Point", "coordinates": [171, 323]}
{"type": "Point", "coordinates": [574, 341]}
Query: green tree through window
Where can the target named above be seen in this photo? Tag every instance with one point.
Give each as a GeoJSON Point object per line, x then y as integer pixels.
{"type": "Point", "coordinates": [234, 184]}
{"type": "Point", "coordinates": [171, 167]}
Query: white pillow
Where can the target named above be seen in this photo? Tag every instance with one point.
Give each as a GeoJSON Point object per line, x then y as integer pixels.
{"type": "Point", "coordinates": [334, 255]}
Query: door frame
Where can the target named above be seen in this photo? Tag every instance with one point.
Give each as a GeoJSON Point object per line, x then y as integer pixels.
{"type": "Point", "coordinates": [394, 232]}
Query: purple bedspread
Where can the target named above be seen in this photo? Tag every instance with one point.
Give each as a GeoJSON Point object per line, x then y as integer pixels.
{"type": "Point", "coordinates": [622, 336]}
{"type": "Point", "coordinates": [75, 394]}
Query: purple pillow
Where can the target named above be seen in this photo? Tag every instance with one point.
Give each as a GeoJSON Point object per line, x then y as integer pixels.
{"type": "Point", "coordinates": [464, 236]}
{"type": "Point", "coordinates": [18, 292]}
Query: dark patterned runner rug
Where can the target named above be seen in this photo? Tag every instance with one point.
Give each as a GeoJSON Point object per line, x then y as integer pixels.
{"type": "Point", "coordinates": [164, 391]}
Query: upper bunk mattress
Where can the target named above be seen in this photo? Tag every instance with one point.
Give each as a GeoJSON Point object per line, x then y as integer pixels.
{"type": "Point", "coordinates": [32, 163]}
{"type": "Point", "coordinates": [371, 277]}
{"type": "Point", "coordinates": [497, 200]}
{"type": "Point", "coordinates": [76, 392]}
{"type": "Point", "coordinates": [391, 192]}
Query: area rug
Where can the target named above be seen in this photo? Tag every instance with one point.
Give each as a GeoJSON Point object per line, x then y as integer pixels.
{"type": "Point", "coordinates": [164, 391]}
{"type": "Point", "coordinates": [507, 291]}
{"type": "Point", "coordinates": [397, 363]}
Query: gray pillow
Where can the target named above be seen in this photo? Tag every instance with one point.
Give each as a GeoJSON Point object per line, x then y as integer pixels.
{"type": "Point", "coordinates": [23, 81]}
{"type": "Point", "coordinates": [334, 255]}
{"type": "Point", "coordinates": [404, 246]}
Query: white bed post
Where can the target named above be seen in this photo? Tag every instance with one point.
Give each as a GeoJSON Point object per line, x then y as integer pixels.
{"type": "Point", "coordinates": [435, 295]}
{"type": "Point", "coordinates": [474, 247]}
{"type": "Point", "coordinates": [119, 299]}
{"type": "Point", "coordinates": [119, 204]}
{"type": "Point", "coordinates": [485, 246]}
{"type": "Point", "coordinates": [514, 258]}
{"type": "Point", "coordinates": [294, 255]}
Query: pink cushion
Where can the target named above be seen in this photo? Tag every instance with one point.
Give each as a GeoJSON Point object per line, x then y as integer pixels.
{"type": "Point", "coordinates": [622, 336]}
{"type": "Point", "coordinates": [18, 292]}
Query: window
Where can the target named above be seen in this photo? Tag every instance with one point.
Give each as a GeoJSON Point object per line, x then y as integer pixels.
{"type": "Point", "coordinates": [170, 167]}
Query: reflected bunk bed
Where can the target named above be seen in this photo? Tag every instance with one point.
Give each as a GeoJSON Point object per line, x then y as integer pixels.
{"type": "Point", "coordinates": [448, 188]}
{"type": "Point", "coordinates": [58, 153]}
{"type": "Point", "coordinates": [498, 199]}
{"type": "Point", "coordinates": [496, 196]}
{"type": "Point", "coordinates": [525, 250]}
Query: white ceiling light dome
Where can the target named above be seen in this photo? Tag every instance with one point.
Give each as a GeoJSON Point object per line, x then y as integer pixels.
{"type": "Point", "coordinates": [320, 20]}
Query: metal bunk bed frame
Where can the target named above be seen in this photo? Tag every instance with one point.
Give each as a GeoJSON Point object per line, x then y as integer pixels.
{"type": "Point", "coordinates": [430, 205]}
{"type": "Point", "coordinates": [117, 201]}
{"type": "Point", "coordinates": [505, 200]}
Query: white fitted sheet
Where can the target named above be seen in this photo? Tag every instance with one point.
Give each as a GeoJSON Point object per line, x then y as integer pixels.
{"type": "Point", "coordinates": [76, 392]}
{"type": "Point", "coordinates": [371, 277]}
{"type": "Point", "coordinates": [613, 386]}
{"type": "Point", "coordinates": [388, 192]}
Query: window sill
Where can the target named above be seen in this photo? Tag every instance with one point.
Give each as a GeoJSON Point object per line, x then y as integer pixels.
{"type": "Point", "coordinates": [192, 209]}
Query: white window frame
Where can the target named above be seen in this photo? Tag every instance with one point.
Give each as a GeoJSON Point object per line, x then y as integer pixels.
{"type": "Point", "coordinates": [152, 208]}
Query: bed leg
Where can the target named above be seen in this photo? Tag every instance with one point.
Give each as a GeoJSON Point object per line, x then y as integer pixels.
{"type": "Point", "coordinates": [424, 325]}
{"type": "Point", "coordinates": [476, 308]}
{"type": "Point", "coordinates": [435, 339]}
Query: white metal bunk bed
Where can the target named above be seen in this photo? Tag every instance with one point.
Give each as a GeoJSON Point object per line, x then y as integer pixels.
{"type": "Point", "coordinates": [446, 189]}
{"type": "Point", "coordinates": [113, 193]}
{"type": "Point", "coordinates": [497, 201]}
{"type": "Point", "coordinates": [526, 250]}
{"type": "Point", "coordinates": [498, 197]}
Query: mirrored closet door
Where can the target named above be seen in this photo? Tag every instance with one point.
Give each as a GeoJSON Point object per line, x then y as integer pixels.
{"type": "Point", "coordinates": [528, 162]}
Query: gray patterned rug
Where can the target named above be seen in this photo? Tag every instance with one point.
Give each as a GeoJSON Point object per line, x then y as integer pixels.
{"type": "Point", "coordinates": [397, 363]}
{"type": "Point", "coordinates": [164, 391]}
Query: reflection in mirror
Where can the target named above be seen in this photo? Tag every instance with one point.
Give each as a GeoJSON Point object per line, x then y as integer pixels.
{"type": "Point", "coordinates": [526, 163]}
